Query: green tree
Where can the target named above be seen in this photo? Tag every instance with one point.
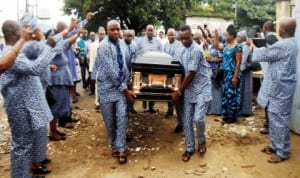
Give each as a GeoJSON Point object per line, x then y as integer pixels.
{"type": "Point", "coordinates": [255, 12]}
{"type": "Point", "coordinates": [133, 14]}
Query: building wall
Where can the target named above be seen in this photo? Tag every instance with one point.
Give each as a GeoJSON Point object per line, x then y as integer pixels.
{"type": "Point", "coordinates": [212, 23]}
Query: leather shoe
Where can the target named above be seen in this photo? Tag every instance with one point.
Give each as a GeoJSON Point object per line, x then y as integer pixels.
{"type": "Point", "coordinates": [67, 125]}
{"type": "Point", "coordinates": [264, 130]}
{"type": "Point", "coordinates": [178, 129]}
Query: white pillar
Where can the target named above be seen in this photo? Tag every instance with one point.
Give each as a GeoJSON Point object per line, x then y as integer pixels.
{"type": "Point", "coordinates": [295, 117]}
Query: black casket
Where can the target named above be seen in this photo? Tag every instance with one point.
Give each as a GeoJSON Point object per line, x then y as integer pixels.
{"type": "Point", "coordinates": [155, 75]}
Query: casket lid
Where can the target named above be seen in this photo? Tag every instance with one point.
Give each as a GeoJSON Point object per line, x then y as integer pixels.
{"type": "Point", "coordinates": [154, 57]}
{"type": "Point", "coordinates": [156, 62]}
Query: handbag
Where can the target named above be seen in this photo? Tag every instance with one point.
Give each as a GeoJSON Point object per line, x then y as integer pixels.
{"type": "Point", "coordinates": [49, 97]}
{"type": "Point", "coordinates": [254, 66]}
{"type": "Point", "coordinates": [217, 74]}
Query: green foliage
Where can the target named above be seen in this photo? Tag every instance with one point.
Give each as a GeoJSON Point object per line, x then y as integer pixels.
{"type": "Point", "coordinates": [133, 14]}
{"type": "Point", "coordinates": [249, 12]}
{"type": "Point", "coordinates": [257, 11]}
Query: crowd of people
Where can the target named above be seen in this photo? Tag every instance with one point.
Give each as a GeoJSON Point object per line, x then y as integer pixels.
{"type": "Point", "coordinates": [39, 76]}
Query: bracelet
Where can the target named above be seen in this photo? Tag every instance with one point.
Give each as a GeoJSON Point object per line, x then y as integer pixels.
{"type": "Point", "coordinates": [15, 51]}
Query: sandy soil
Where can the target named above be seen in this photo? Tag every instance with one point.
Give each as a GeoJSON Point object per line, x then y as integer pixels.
{"type": "Point", "coordinates": [155, 151]}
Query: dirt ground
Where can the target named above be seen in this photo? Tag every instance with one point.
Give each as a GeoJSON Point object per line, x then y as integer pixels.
{"type": "Point", "coordinates": [155, 151]}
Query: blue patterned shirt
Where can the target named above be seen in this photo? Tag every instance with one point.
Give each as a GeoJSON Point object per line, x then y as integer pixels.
{"type": "Point", "coordinates": [279, 82]}
{"type": "Point", "coordinates": [192, 59]}
{"type": "Point", "coordinates": [106, 71]}
{"type": "Point", "coordinates": [21, 87]}
{"type": "Point", "coordinates": [145, 44]}
{"type": "Point", "coordinates": [171, 48]}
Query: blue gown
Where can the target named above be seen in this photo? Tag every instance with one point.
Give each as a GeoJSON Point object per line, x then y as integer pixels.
{"type": "Point", "coordinates": [231, 94]}
{"type": "Point", "coordinates": [216, 103]}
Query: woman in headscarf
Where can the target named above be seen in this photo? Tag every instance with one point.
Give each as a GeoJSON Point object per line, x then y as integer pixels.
{"type": "Point", "coordinates": [214, 58]}
{"type": "Point", "coordinates": [246, 77]}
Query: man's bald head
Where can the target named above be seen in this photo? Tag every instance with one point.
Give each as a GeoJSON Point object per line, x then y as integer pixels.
{"type": "Point", "coordinates": [268, 26]}
{"type": "Point", "coordinates": [11, 31]}
{"type": "Point", "coordinates": [128, 33]}
{"type": "Point", "coordinates": [112, 23]}
{"type": "Point", "coordinates": [61, 26]}
{"type": "Point", "coordinates": [287, 27]}
{"type": "Point", "coordinates": [150, 31]}
{"type": "Point", "coordinates": [101, 33]}
{"type": "Point", "coordinates": [128, 36]}
{"type": "Point", "coordinates": [171, 34]}
{"type": "Point", "coordinates": [113, 29]}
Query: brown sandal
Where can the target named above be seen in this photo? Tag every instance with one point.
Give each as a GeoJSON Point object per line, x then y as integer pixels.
{"type": "Point", "coordinates": [115, 153]}
{"type": "Point", "coordinates": [276, 159]}
{"type": "Point", "coordinates": [187, 156]}
{"type": "Point", "coordinates": [202, 149]}
{"type": "Point", "coordinates": [122, 158]}
{"type": "Point", "coordinates": [268, 150]}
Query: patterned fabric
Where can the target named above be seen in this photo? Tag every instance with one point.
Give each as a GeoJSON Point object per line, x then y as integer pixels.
{"type": "Point", "coordinates": [196, 95]}
{"type": "Point", "coordinates": [214, 54]}
{"type": "Point", "coordinates": [171, 48]}
{"type": "Point", "coordinates": [63, 105]}
{"type": "Point", "coordinates": [199, 89]}
{"type": "Point", "coordinates": [194, 113]}
{"type": "Point", "coordinates": [70, 53]}
{"type": "Point", "coordinates": [145, 44]}
{"type": "Point", "coordinates": [215, 105]}
{"type": "Point", "coordinates": [231, 94]}
{"type": "Point", "coordinates": [21, 152]}
{"type": "Point", "coordinates": [279, 133]}
{"type": "Point", "coordinates": [29, 20]}
{"type": "Point", "coordinates": [277, 90]}
{"type": "Point", "coordinates": [106, 71]}
{"type": "Point", "coordinates": [115, 118]}
{"type": "Point", "coordinates": [130, 54]}
{"type": "Point", "coordinates": [40, 145]}
{"type": "Point", "coordinates": [279, 82]}
{"type": "Point", "coordinates": [246, 83]}
{"type": "Point", "coordinates": [62, 75]}
{"type": "Point", "coordinates": [26, 107]}
{"type": "Point", "coordinates": [111, 91]}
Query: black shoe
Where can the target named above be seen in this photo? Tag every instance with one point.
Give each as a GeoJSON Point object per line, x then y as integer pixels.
{"type": "Point", "coordinates": [46, 161]}
{"type": "Point", "coordinates": [178, 129]}
{"type": "Point", "coordinates": [152, 111]}
{"type": "Point", "coordinates": [97, 107]}
{"type": "Point", "coordinates": [231, 120]}
{"type": "Point", "coordinates": [77, 94]}
{"type": "Point", "coordinates": [225, 118]}
{"type": "Point", "coordinates": [169, 114]}
{"type": "Point", "coordinates": [38, 176]}
{"type": "Point", "coordinates": [264, 130]}
{"type": "Point", "coordinates": [91, 94]}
